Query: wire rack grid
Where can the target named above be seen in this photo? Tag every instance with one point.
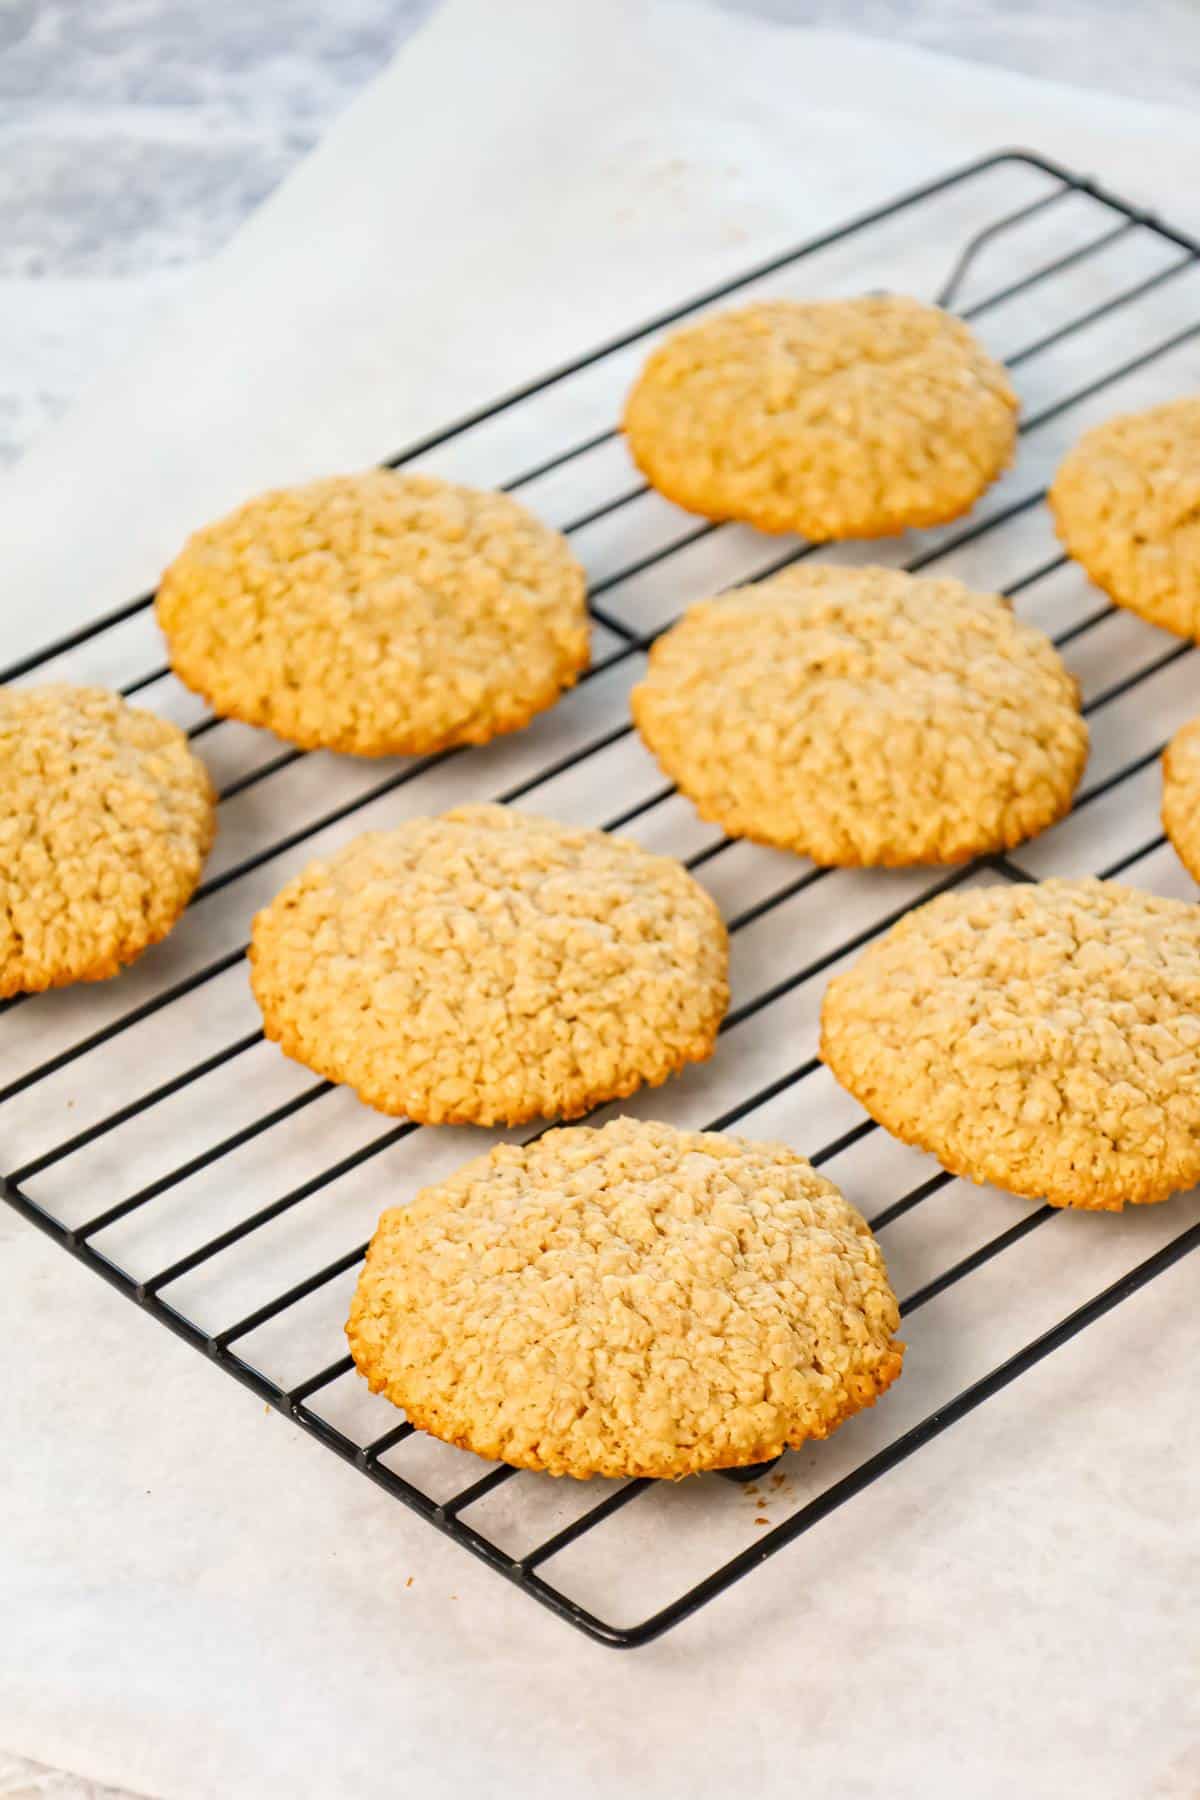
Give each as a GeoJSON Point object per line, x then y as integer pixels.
{"type": "Point", "coordinates": [151, 1132]}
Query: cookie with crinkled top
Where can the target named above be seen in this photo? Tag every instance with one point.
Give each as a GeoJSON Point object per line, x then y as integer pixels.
{"type": "Point", "coordinates": [1181, 795]}
{"type": "Point", "coordinates": [865, 716]}
{"type": "Point", "coordinates": [488, 966]}
{"type": "Point", "coordinates": [633, 1301]}
{"type": "Point", "coordinates": [833, 418]}
{"type": "Point", "coordinates": [380, 614]}
{"type": "Point", "coordinates": [106, 817]}
{"type": "Point", "coordinates": [1126, 503]}
{"type": "Point", "coordinates": [1043, 1036]}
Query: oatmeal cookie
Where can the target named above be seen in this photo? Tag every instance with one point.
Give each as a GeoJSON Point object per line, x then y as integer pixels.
{"type": "Point", "coordinates": [833, 418]}
{"type": "Point", "coordinates": [106, 817]}
{"type": "Point", "coordinates": [865, 716]}
{"type": "Point", "coordinates": [1181, 796]}
{"type": "Point", "coordinates": [1044, 1037]}
{"type": "Point", "coordinates": [1126, 502]}
{"type": "Point", "coordinates": [488, 967]}
{"type": "Point", "coordinates": [380, 614]}
{"type": "Point", "coordinates": [633, 1301]}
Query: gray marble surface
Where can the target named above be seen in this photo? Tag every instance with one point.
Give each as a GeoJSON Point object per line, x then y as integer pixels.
{"type": "Point", "coordinates": [136, 135]}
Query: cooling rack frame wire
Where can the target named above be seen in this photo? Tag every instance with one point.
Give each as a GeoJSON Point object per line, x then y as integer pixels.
{"type": "Point", "coordinates": [446, 1515]}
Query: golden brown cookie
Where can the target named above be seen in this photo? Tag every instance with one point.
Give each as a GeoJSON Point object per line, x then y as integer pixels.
{"type": "Point", "coordinates": [106, 817]}
{"type": "Point", "coordinates": [864, 716]}
{"type": "Point", "coordinates": [833, 418]}
{"type": "Point", "coordinates": [488, 966]}
{"type": "Point", "coordinates": [631, 1301]}
{"type": "Point", "coordinates": [378, 613]}
{"type": "Point", "coordinates": [1181, 796]}
{"type": "Point", "coordinates": [1126, 502]}
{"type": "Point", "coordinates": [1044, 1037]}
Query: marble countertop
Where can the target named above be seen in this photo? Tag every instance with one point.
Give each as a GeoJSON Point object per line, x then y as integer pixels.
{"type": "Point", "coordinates": [136, 138]}
{"type": "Point", "coordinates": [138, 134]}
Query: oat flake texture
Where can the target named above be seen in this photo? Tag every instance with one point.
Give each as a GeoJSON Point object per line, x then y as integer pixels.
{"type": "Point", "coordinates": [1044, 1037]}
{"type": "Point", "coordinates": [1181, 796]}
{"type": "Point", "coordinates": [865, 716]}
{"type": "Point", "coordinates": [833, 418]}
{"type": "Point", "coordinates": [630, 1301]}
{"type": "Point", "coordinates": [105, 820]}
{"type": "Point", "coordinates": [1126, 502]}
{"type": "Point", "coordinates": [377, 613]}
{"type": "Point", "coordinates": [488, 967]}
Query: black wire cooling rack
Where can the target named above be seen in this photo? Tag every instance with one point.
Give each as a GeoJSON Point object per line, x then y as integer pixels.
{"type": "Point", "coordinates": [152, 1133]}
